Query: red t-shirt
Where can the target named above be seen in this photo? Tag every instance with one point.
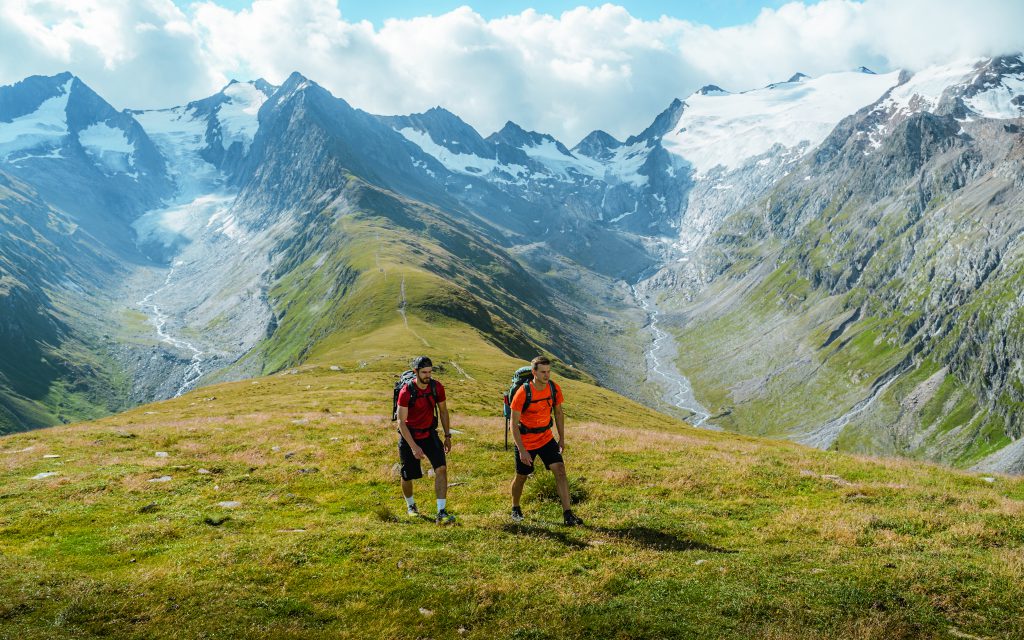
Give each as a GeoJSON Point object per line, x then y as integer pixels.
{"type": "Point", "coordinates": [538, 414]}
{"type": "Point", "coordinates": [421, 415]}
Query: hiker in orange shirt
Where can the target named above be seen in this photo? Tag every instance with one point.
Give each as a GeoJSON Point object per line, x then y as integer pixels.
{"type": "Point", "coordinates": [533, 406]}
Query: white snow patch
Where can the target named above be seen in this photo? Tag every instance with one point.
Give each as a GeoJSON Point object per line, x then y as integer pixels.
{"type": "Point", "coordinates": [238, 116]}
{"type": "Point", "coordinates": [625, 164]}
{"type": "Point", "coordinates": [628, 213]}
{"type": "Point", "coordinates": [189, 220]}
{"type": "Point", "coordinates": [465, 163]}
{"type": "Point", "coordinates": [181, 136]}
{"type": "Point", "coordinates": [729, 130]}
{"type": "Point", "coordinates": [108, 146]}
{"type": "Point", "coordinates": [997, 102]}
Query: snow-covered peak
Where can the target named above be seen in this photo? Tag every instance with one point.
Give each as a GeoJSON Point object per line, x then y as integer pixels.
{"type": "Point", "coordinates": [967, 89]}
{"type": "Point", "coordinates": [924, 90]}
{"type": "Point", "coordinates": [712, 90]}
{"type": "Point", "coordinates": [729, 130]}
{"type": "Point", "coordinates": [796, 77]}
{"type": "Point", "coordinates": [40, 128]}
{"type": "Point", "coordinates": [863, 69]}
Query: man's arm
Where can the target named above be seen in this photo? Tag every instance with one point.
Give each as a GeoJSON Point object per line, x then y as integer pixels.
{"type": "Point", "coordinates": [524, 455]}
{"type": "Point", "coordinates": [403, 415]}
{"type": "Point", "coordinates": [560, 425]}
{"type": "Point", "coordinates": [442, 410]}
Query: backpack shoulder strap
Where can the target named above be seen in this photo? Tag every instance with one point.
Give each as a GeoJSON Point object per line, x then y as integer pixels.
{"type": "Point", "coordinates": [433, 392]}
{"type": "Point", "coordinates": [551, 395]}
{"type": "Point", "coordinates": [528, 386]}
{"type": "Point", "coordinates": [414, 391]}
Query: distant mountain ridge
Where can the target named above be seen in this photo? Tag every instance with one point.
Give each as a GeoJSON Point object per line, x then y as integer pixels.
{"type": "Point", "coordinates": [720, 187]}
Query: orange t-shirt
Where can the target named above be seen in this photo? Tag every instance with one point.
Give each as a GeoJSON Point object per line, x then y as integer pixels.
{"type": "Point", "coordinates": [538, 414]}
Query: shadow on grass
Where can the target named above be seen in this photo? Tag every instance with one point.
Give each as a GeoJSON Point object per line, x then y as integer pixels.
{"type": "Point", "coordinates": [658, 540]}
{"type": "Point", "coordinates": [543, 532]}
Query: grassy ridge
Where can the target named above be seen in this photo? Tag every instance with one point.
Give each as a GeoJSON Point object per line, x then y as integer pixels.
{"type": "Point", "coordinates": [690, 533]}
{"type": "Point", "coordinates": [344, 274]}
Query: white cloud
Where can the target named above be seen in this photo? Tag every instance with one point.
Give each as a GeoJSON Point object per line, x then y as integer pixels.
{"type": "Point", "coordinates": [142, 53]}
{"type": "Point", "coordinates": [587, 68]}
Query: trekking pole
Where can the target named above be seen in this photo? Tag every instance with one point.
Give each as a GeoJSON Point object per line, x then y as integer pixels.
{"type": "Point", "coordinates": [505, 411]}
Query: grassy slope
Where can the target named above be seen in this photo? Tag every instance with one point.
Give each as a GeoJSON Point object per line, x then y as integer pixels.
{"type": "Point", "coordinates": [690, 533]}
{"type": "Point", "coordinates": [52, 367]}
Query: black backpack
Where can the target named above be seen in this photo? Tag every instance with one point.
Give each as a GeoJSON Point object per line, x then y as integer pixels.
{"type": "Point", "coordinates": [408, 379]}
{"type": "Point", "coordinates": [519, 378]}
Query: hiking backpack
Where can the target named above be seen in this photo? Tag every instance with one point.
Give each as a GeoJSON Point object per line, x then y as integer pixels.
{"type": "Point", "coordinates": [519, 378]}
{"type": "Point", "coordinates": [408, 379]}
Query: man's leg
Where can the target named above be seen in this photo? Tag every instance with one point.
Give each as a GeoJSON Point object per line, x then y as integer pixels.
{"type": "Point", "coordinates": [562, 482]}
{"type": "Point", "coordinates": [407, 488]}
{"type": "Point", "coordinates": [441, 482]}
{"type": "Point", "coordinates": [518, 483]}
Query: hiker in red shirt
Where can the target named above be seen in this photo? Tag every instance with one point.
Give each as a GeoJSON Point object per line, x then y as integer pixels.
{"type": "Point", "coordinates": [531, 427]}
{"type": "Point", "coordinates": [420, 404]}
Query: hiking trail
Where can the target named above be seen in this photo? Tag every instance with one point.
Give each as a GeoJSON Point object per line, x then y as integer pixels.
{"type": "Point", "coordinates": [405, 318]}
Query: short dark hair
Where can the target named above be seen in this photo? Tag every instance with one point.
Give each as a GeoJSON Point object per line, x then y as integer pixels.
{"type": "Point", "coordinates": [420, 362]}
{"type": "Point", "coordinates": [540, 360]}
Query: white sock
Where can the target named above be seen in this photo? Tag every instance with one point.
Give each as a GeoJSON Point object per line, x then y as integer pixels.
{"type": "Point", "coordinates": [441, 502]}
{"type": "Point", "coordinates": [411, 501]}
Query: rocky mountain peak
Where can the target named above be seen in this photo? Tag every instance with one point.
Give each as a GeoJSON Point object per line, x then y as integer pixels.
{"type": "Point", "coordinates": [597, 144]}
{"type": "Point", "coordinates": [665, 122]}
{"type": "Point", "coordinates": [515, 136]}
{"type": "Point", "coordinates": [444, 129]}
{"type": "Point", "coordinates": [712, 90]}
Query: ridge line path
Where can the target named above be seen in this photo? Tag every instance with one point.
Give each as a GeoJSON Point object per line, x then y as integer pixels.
{"type": "Point", "coordinates": [194, 371]}
{"type": "Point", "coordinates": [659, 359]}
{"type": "Point", "coordinates": [461, 370]}
{"type": "Point", "coordinates": [405, 318]}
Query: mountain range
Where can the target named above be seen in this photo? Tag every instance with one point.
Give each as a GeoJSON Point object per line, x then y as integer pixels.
{"type": "Point", "coordinates": [838, 258]}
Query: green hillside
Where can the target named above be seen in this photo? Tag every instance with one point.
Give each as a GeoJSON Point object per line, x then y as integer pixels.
{"type": "Point", "coordinates": [53, 367]}
{"type": "Point", "coordinates": [282, 517]}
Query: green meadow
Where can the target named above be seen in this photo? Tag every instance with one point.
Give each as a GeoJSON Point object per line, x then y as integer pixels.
{"type": "Point", "coordinates": [270, 508]}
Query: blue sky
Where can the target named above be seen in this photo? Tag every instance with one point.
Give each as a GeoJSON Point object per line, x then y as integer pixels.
{"type": "Point", "coordinates": [714, 13]}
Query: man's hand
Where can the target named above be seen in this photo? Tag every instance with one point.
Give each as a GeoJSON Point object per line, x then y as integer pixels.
{"type": "Point", "coordinates": [561, 445]}
{"type": "Point", "coordinates": [417, 451]}
{"type": "Point", "coordinates": [525, 456]}
{"type": "Point", "coordinates": [448, 443]}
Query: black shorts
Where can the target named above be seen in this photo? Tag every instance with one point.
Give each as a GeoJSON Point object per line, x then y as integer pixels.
{"type": "Point", "coordinates": [549, 454]}
{"type": "Point", "coordinates": [432, 448]}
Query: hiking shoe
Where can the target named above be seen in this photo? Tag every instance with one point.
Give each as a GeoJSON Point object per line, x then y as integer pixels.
{"type": "Point", "coordinates": [412, 511]}
{"type": "Point", "coordinates": [443, 517]}
{"type": "Point", "coordinates": [517, 514]}
{"type": "Point", "coordinates": [571, 519]}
